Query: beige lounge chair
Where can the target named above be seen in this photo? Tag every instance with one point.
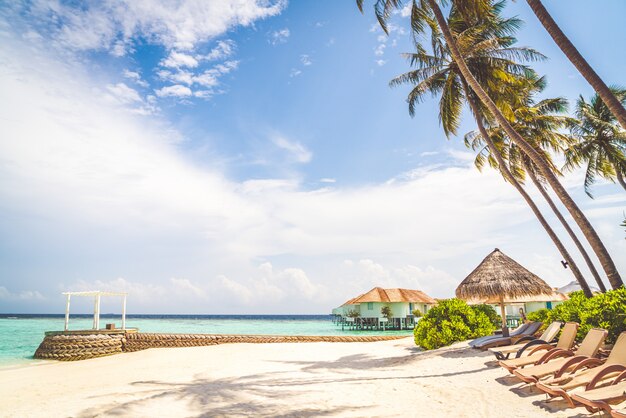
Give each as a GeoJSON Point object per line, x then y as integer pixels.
{"type": "Point", "coordinates": [525, 343]}
{"type": "Point", "coordinates": [588, 372]}
{"type": "Point", "coordinates": [596, 399]}
{"type": "Point", "coordinates": [562, 360]}
{"type": "Point", "coordinates": [541, 352]}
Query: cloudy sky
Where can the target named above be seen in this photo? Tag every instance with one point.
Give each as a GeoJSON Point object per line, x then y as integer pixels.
{"type": "Point", "coordinates": [248, 156]}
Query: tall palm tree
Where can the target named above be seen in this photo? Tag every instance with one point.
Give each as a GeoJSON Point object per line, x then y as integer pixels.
{"type": "Point", "coordinates": [428, 12]}
{"type": "Point", "coordinates": [570, 51]}
{"type": "Point", "coordinates": [601, 142]}
{"type": "Point", "coordinates": [489, 53]}
{"type": "Point", "coordinates": [540, 124]}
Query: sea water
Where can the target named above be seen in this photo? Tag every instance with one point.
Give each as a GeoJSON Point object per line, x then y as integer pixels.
{"type": "Point", "coordinates": [20, 335]}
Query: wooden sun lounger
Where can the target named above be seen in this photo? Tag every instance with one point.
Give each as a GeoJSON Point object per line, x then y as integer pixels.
{"type": "Point", "coordinates": [621, 413]}
{"type": "Point", "coordinates": [524, 343]}
{"type": "Point", "coordinates": [596, 399]}
{"type": "Point", "coordinates": [517, 332]}
{"type": "Point", "coordinates": [562, 360]}
{"type": "Point", "coordinates": [497, 341]}
{"type": "Point", "coordinates": [544, 352]}
{"type": "Point", "coordinates": [588, 372]}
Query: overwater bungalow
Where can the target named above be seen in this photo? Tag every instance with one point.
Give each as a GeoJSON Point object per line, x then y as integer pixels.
{"type": "Point", "coordinates": [367, 311]}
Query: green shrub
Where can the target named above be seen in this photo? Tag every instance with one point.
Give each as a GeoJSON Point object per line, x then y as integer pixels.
{"type": "Point", "coordinates": [538, 316]}
{"type": "Point", "coordinates": [491, 313]}
{"type": "Point", "coordinates": [417, 313]}
{"type": "Point", "coordinates": [450, 321]}
{"type": "Point", "coordinates": [604, 310]}
{"type": "Point", "coordinates": [386, 311]}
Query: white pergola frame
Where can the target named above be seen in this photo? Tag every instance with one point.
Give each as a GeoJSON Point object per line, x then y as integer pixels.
{"type": "Point", "coordinates": [96, 306]}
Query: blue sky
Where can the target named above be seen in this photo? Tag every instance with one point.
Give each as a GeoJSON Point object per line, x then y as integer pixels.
{"type": "Point", "coordinates": [249, 157]}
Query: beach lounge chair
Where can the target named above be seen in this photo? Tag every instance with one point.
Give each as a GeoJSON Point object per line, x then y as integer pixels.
{"type": "Point", "coordinates": [595, 399]}
{"type": "Point", "coordinates": [541, 352]}
{"type": "Point", "coordinates": [524, 343]}
{"type": "Point", "coordinates": [562, 360]}
{"type": "Point", "coordinates": [588, 372]}
{"type": "Point", "coordinates": [513, 333]}
{"type": "Point", "coordinates": [499, 340]}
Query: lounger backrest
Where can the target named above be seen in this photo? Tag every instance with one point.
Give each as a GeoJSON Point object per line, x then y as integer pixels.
{"type": "Point", "coordinates": [550, 332]}
{"type": "Point", "coordinates": [568, 336]}
{"type": "Point", "coordinates": [520, 329]}
{"type": "Point", "coordinates": [592, 342]}
{"type": "Point", "coordinates": [618, 353]}
{"type": "Point", "coordinates": [532, 328]}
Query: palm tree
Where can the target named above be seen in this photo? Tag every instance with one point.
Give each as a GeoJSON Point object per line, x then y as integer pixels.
{"type": "Point", "coordinates": [428, 12]}
{"type": "Point", "coordinates": [488, 52]}
{"type": "Point", "coordinates": [601, 142]}
{"type": "Point", "coordinates": [583, 67]}
{"type": "Point", "coordinates": [540, 124]}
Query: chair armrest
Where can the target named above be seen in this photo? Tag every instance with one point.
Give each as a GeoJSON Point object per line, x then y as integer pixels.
{"type": "Point", "coordinates": [540, 347]}
{"type": "Point", "coordinates": [613, 368]}
{"type": "Point", "coordinates": [588, 363]}
{"type": "Point", "coordinates": [620, 377]}
{"type": "Point", "coordinates": [543, 345]}
{"type": "Point", "coordinates": [569, 363]}
{"type": "Point", "coordinates": [556, 353]}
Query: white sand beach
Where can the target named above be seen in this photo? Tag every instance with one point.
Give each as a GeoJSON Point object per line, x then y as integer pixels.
{"type": "Point", "coordinates": [390, 378]}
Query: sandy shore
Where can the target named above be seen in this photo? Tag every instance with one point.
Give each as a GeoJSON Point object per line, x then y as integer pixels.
{"type": "Point", "coordinates": [390, 378]}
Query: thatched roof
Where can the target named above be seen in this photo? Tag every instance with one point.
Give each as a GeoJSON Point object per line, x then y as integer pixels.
{"type": "Point", "coordinates": [378, 294]}
{"type": "Point", "coordinates": [499, 275]}
{"type": "Point", "coordinates": [555, 296]}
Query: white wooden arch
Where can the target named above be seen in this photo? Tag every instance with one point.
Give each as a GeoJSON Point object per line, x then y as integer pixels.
{"type": "Point", "coordinates": [96, 306]}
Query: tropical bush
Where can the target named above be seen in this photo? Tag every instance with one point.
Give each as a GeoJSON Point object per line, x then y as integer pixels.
{"type": "Point", "coordinates": [491, 313]}
{"type": "Point", "coordinates": [353, 313]}
{"type": "Point", "coordinates": [386, 311]}
{"type": "Point", "coordinates": [450, 321]}
{"type": "Point", "coordinates": [539, 316]}
{"type": "Point", "coordinates": [604, 310]}
{"type": "Point", "coordinates": [417, 313]}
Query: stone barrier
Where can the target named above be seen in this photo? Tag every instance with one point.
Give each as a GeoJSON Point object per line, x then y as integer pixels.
{"type": "Point", "coordinates": [60, 346]}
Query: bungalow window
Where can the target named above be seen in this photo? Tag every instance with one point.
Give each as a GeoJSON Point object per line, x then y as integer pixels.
{"type": "Point", "coordinates": [370, 306]}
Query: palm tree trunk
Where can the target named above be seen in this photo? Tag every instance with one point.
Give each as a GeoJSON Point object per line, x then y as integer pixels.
{"type": "Point", "coordinates": [578, 60]}
{"type": "Point", "coordinates": [569, 230]}
{"type": "Point", "coordinates": [620, 178]}
{"type": "Point", "coordinates": [506, 173]}
{"type": "Point", "coordinates": [592, 236]}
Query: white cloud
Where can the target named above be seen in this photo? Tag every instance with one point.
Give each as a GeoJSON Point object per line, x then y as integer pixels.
{"type": "Point", "coordinates": [327, 180]}
{"type": "Point", "coordinates": [112, 25]}
{"type": "Point", "coordinates": [123, 93]}
{"type": "Point", "coordinates": [380, 63]}
{"type": "Point", "coordinates": [429, 153]}
{"type": "Point", "coordinates": [178, 60]}
{"type": "Point", "coordinates": [294, 72]}
{"type": "Point", "coordinates": [24, 295]}
{"type": "Point", "coordinates": [298, 152]}
{"type": "Point", "coordinates": [305, 60]}
{"type": "Point", "coordinates": [224, 49]}
{"type": "Point", "coordinates": [380, 50]}
{"type": "Point", "coordinates": [176, 90]}
{"type": "Point", "coordinates": [279, 36]}
{"type": "Point", "coordinates": [135, 77]}
{"type": "Point", "coordinates": [406, 10]}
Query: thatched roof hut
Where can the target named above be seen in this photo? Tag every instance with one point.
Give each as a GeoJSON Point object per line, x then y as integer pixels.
{"type": "Point", "coordinates": [500, 277]}
{"type": "Point", "coordinates": [378, 294]}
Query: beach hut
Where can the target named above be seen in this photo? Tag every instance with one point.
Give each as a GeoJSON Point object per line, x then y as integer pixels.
{"type": "Point", "coordinates": [401, 303]}
{"type": "Point", "coordinates": [527, 303]}
{"type": "Point", "coordinates": [500, 277]}
{"type": "Point", "coordinates": [574, 286]}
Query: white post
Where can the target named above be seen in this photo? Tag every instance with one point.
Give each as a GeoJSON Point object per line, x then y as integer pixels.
{"type": "Point", "coordinates": [95, 311]}
{"type": "Point", "coordinates": [67, 312]}
{"type": "Point", "coordinates": [98, 312]}
{"type": "Point", "coordinates": [124, 312]}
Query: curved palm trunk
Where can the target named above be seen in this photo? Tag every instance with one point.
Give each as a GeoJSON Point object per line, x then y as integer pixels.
{"type": "Point", "coordinates": [592, 236]}
{"type": "Point", "coordinates": [511, 179]}
{"type": "Point", "coordinates": [579, 61]}
{"type": "Point", "coordinates": [569, 230]}
{"type": "Point", "coordinates": [620, 178]}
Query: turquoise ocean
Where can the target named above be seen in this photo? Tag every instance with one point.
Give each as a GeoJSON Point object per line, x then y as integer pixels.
{"type": "Point", "coordinates": [20, 335]}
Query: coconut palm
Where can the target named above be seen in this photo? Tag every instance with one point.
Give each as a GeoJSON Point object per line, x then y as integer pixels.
{"type": "Point", "coordinates": [540, 123]}
{"type": "Point", "coordinates": [570, 51]}
{"type": "Point", "coordinates": [601, 142]}
{"type": "Point", "coordinates": [489, 52]}
{"type": "Point", "coordinates": [426, 13]}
